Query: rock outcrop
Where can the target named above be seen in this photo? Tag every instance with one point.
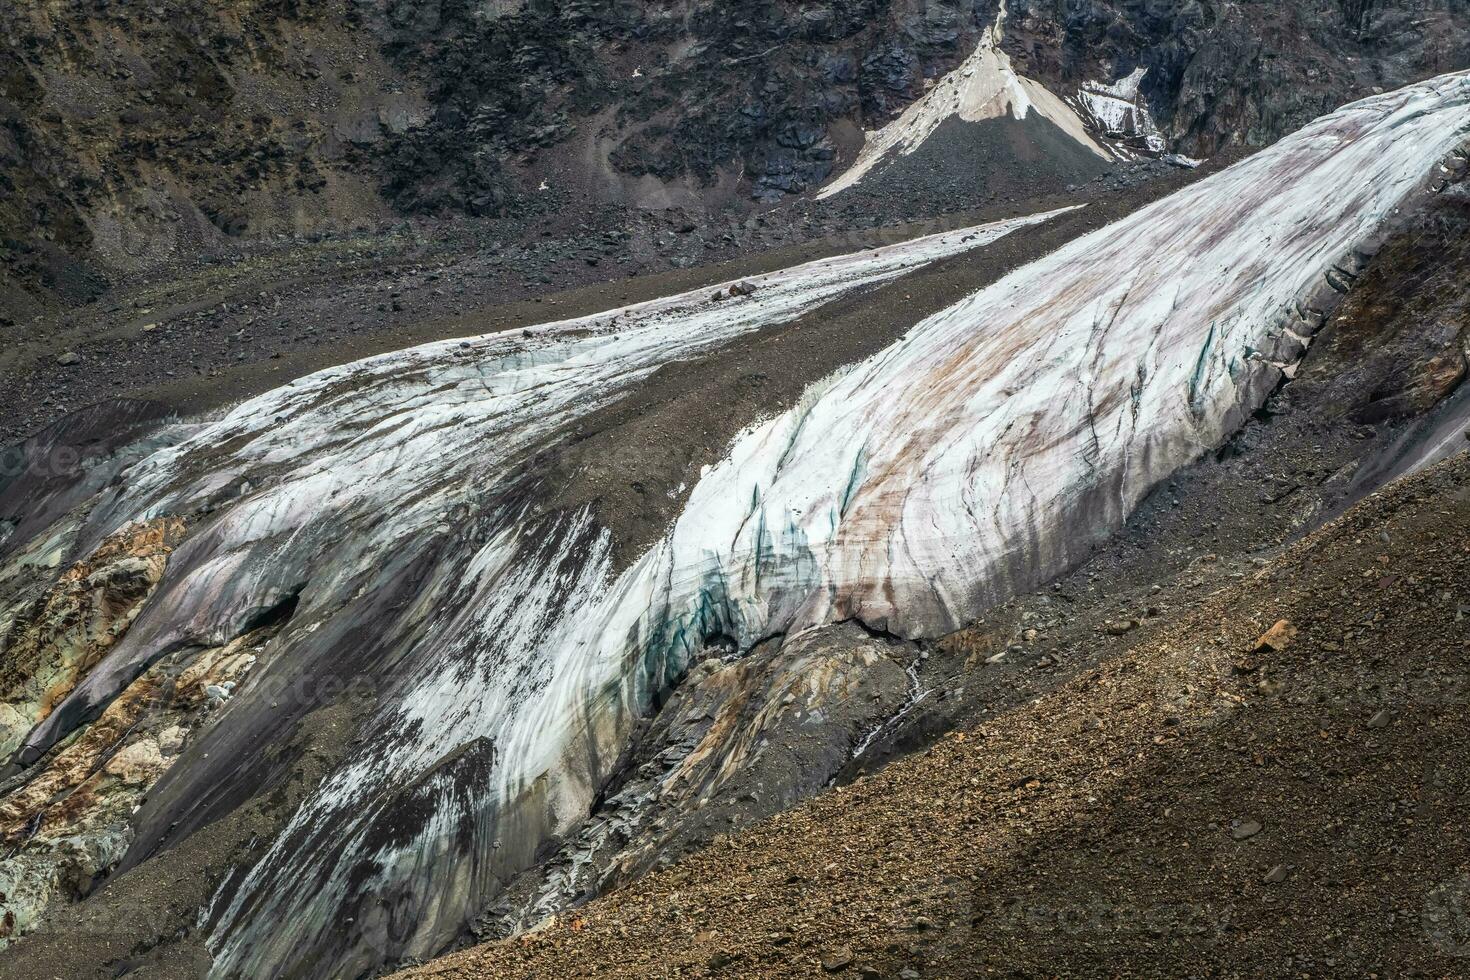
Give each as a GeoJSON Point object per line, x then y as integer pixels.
{"type": "Point", "coordinates": [67, 822]}
{"type": "Point", "coordinates": [132, 135]}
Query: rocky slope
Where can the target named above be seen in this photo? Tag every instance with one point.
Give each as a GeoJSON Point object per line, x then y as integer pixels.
{"type": "Point", "coordinates": [135, 133]}
{"type": "Point", "coordinates": [135, 136]}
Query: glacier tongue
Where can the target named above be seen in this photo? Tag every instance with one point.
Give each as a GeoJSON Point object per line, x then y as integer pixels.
{"type": "Point", "coordinates": [987, 449]}
{"type": "Point", "coordinates": [979, 455]}
{"type": "Point", "coordinates": [395, 500]}
{"type": "Point", "coordinates": [394, 506]}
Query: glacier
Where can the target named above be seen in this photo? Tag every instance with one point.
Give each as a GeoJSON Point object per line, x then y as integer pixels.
{"type": "Point", "coordinates": [392, 506]}
{"type": "Point", "coordinates": [396, 505]}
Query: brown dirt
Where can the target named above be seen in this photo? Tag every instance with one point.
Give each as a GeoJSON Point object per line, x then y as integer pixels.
{"type": "Point", "coordinates": [1194, 805]}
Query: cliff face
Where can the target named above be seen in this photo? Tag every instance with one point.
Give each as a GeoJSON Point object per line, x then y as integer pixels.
{"type": "Point", "coordinates": [772, 93]}
{"type": "Point", "coordinates": [132, 134]}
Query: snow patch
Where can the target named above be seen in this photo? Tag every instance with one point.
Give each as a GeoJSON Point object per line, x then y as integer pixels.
{"type": "Point", "coordinates": [1119, 111]}
{"type": "Point", "coordinates": [984, 86]}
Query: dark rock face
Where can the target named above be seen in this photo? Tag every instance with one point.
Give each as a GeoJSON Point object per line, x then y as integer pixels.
{"type": "Point", "coordinates": [760, 91]}
{"type": "Point", "coordinates": [134, 134]}
{"type": "Point", "coordinates": [690, 92]}
{"type": "Point", "coordinates": [679, 90]}
{"type": "Point", "coordinates": [130, 133]}
{"type": "Point", "coordinates": [500, 84]}
{"type": "Point", "coordinates": [1224, 74]}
